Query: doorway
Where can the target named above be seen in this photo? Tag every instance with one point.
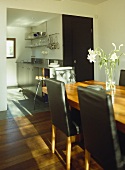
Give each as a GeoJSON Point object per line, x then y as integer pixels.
{"type": "Point", "coordinates": [77, 39]}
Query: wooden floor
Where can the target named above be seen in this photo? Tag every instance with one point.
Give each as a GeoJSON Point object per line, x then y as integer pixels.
{"type": "Point", "coordinates": [25, 144]}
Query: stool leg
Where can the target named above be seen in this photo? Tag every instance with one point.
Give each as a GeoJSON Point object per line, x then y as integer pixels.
{"type": "Point", "coordinates": [36, 92]}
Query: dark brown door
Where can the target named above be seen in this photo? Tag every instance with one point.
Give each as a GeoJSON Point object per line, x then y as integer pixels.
{"type": "Point", "coordinates": [77, 39]}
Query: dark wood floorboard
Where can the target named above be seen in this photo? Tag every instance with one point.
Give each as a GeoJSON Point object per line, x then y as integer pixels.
{"type": "Point", "coordinates": [25, 144]}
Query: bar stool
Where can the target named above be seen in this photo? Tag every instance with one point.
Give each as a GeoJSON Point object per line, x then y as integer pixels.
{"type": "Point", "coordinates": [64, 74]}
{"type": "Point", "coordinates": [40, 81]}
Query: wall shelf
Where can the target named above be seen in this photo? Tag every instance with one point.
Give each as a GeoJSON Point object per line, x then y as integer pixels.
{"type": "Point", "coordinates": [30, 46]}
{"type": "Point", "coordinates": [53, 34]}
{"type": "Point", "coordinates": [38, 37]}
{"type": "Point", "coordinates": [50, 41]}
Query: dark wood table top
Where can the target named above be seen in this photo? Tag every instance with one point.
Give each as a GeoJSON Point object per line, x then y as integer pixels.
{"type": "Point", "coordinates": [118, 99]}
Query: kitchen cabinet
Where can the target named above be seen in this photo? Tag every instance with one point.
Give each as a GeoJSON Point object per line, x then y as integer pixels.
{"type": "Point", "coordinates": [26, 74]}
{"type": "Point", "coordinates": [77, 39]}
{"type": "Point", "coordinates": [31, 74]}
{"type": "Point", "coordinates": [20, 74]}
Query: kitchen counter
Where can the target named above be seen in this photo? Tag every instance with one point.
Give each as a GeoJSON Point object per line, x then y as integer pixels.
{"type": "Point", "coordinates": [38, 65]}
{"type": "Point", "coordinates": [27, 72]}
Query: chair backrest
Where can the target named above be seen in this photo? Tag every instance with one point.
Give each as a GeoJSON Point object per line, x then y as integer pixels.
{"type": "Point", "coordinates": [58, 105]}
{"type": "Point", "coordinates": [99, 128]}
{"type": "Point", "coordinates": [122, 78]}
{"type": "Point", "coordinates": [65, 74]}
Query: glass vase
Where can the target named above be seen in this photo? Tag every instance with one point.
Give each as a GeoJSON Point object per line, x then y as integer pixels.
{"type": "Point", "coordinates": [110, 78]}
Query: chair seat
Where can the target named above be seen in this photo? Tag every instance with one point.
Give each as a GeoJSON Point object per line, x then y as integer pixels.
{"type": "Point", "coordinates": [75, 129]}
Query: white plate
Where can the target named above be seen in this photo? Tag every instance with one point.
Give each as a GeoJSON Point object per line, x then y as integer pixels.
{"type": "Point", "coordinates": [53, 65]}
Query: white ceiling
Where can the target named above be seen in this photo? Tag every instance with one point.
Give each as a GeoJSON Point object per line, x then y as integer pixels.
{"type": "Point", "coordinates": [26, 18]}
{"type": "Point", "coordinates": [93, 2]}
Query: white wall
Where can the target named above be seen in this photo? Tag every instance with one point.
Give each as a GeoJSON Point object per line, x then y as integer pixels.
{"type": "Point", "coordinates": [3, 90]}
{"type": "Point", "coordinates": [52, 26]}
{"type": "Point", "coordinates": [55, 26]}
{"type": "Point", "coordinates": [111, 28]}
{"type": "Point", "coordinates": [22, 53]}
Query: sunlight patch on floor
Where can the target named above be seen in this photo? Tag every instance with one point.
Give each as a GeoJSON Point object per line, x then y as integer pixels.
{"type": "Point", "coordinates": [36, 144]}
{"type": "Point", "coordinates": [15, 111]}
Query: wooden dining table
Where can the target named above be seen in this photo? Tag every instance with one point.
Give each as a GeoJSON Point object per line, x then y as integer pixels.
{"type": "Point", "coordinates": [118, 98]}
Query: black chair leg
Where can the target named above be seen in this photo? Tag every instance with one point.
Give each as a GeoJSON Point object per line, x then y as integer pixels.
{"type": "Point", "coordinates": [45, 97]}
{"type": "Point", "coordinates": [39, 82]}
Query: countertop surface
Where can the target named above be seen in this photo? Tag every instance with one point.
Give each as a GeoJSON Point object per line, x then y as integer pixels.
{"type": "Point", "coordinates": [40, 65]}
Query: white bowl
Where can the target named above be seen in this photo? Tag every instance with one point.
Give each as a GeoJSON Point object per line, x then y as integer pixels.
{"type": "Point", "coordinates": [53, 63]}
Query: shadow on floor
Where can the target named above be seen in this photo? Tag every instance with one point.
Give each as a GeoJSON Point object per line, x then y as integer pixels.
{"type": "Point", "coordinates": [21, 103]}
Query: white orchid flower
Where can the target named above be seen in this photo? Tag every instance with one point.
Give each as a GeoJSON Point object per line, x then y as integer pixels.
{"type": "Point", "coordinates": [114, 45]}
{"type": "Point", "coordinates": [91, 56]}
{"type": "Point", "coordinates": [120, 46]}
{"type": "Point", "coordinates": [91, 51]}
{"type": "Point", "coordinates": [114, 57]}
{"type": "Point", "coordinates": [105, 59]}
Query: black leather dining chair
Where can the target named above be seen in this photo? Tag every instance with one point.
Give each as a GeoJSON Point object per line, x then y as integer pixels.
{"type": "Point", "coordinates": [61, 115]}
{"type": "Point", "coordinates": [99, 129]}
{"type": "Point", "coordinates": [122, 78]}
